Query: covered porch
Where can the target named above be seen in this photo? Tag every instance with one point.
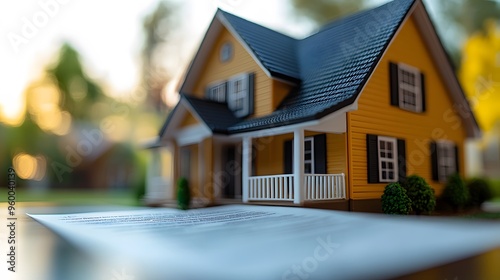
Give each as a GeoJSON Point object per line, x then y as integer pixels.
{"type": "Point", "coordinates": [296, 165]}
{"type": "Point", "coordinates": [299, 164]}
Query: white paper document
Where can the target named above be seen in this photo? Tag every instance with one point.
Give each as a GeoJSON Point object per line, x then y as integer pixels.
{"type": "Point", "coordinates": [264, 242]}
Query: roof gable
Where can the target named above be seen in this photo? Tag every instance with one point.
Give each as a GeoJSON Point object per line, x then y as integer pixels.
{"type": "Point", "coordinates": [271, 50]}
{"type": "Point", "coordinates": [276, 51]}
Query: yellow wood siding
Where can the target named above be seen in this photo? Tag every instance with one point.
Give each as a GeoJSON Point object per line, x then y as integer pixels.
{"type": "Point", "coordinates": [200, 180]}
{"type": "Point", "coordinates": [216, 71]}
{"type": "Point", "coordinates": [280, 91]}
{"type": "Point", "coordinates": [188, 120]}
{"type": "Point", "coordinates": [269, 153]}
{"type": "Point", "coordinates": [336, 154]}
{"type": "Point", "coordinates": [376, 116]}
{"type": "Point", "coordinates": [207, 179]}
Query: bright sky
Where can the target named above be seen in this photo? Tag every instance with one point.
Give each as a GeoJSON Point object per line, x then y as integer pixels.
{"type": "Point", "coordinates": [108, 36]}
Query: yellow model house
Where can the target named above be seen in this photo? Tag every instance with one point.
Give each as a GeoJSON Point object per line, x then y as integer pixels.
{"type": "Point", "coordinates": [325, 121]}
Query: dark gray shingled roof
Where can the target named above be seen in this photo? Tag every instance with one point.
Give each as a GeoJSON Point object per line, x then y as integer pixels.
{"type": "Point", "coordinates": [276, 51]}
{"type": "Point", "coordinates": [330, 66]}
{"type": "Point", "coordinates": [217, 116]}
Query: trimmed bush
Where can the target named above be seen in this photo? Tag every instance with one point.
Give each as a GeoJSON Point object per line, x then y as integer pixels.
{"type": "Point", "coordinates": [421, 194]}
{"type": "Point", "coordinates": [183, 194]}
{"type": "Point", "coordinates": [495, 187]}
{"type": "Point", "coordinates": [479, 191]}
{"type": "Point", "coordinates": [395, 200]}
{"type": "Point", "coordinates": [456, 193]}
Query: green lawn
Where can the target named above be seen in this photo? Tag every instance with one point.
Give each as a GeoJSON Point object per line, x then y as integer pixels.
{"type": "Point", "coordinates": [484, 215]}
{"type": "Point", "coordinates": [75, 197]}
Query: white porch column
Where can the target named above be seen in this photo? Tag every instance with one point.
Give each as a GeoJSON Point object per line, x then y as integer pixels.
{"type": "Point", "coordinates": [298, 166]}
{"type": "Point", "coordinates": [246, 166]}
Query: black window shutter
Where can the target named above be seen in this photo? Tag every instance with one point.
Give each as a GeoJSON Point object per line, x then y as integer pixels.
{"type": "Point", "coordinates": [372, 158]}
{"type": "Point", "coordinates": [402, 160]}
{"type": "Point", "coordinates": [320, 154]}
{"type": "Point", "coordinates": [288, 156]}
{"type": "Point", "coordinates": [226, 91]}
{"type": "Point", "coordinates": [394, 83]}
{"type": "Point", "coordinates": [251, 83]}
{"type": "Point", "coordinates": [457, 160]}
{"type": "Point", "coordinates": [434, 161]}
{"type": "Point", "coordinates": [422, 88]}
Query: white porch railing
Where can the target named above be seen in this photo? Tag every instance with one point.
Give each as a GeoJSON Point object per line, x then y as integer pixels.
{"type": "Point", "coordinates": [324, 187]}
{"type": "Point", "coordinates": [275, 187]}
{"type": "Point", "coordinates": [281, 187]}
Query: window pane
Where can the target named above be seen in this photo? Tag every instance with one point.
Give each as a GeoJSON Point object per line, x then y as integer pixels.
{"type": "Point", "coordinates": [446, 160]}
{"type": "Point", "coordinates": [307, 156]}
{"type": "Point", "coordinates": [308, 168]}
{"type": "Point", "coordinates": [410, 93]}
{"type": "Point", "coordinates": [387, 159]}
{"type": "Point", "coordinates": [307, 145]}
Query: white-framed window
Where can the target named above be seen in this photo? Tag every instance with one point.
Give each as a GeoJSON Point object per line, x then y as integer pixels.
{"type": "Point", "coordinates": [446, 159]}
{"type": "Point", "coordinates": [387, 159]}
{"type": "Point", "coordinates": [217, 92]}
{"type": "Point", "coordinates": [410, 91]}
{"type": "Point", "coordinates": [309, 155]}
{"type": "Point", "coordinates": [238, 94]}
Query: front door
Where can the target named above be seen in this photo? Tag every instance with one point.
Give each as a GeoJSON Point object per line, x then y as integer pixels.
{"type": "Point", "coordinates": [231, 172]}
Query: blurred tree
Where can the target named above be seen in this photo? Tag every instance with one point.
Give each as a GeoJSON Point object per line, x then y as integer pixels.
{"type": "Point", "coordinates": [458, 20]}
{"type": "Point", "coordinates": [453, 18]}
{"type": "Point", "coordinates": [480, 74]}
{"type": "Point", "coordinates": [78, 91]}
{"type": "Point", "coordinates": [157, 31]}
{"type": "Point", "coordinates": [469, 15]}
{"type": "Point", "coordinates": [324, 11]}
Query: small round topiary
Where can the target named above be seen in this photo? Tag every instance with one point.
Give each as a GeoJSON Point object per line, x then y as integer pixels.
{"type": "Point", "coordinates": [421, 194]}
{"type": "Point", "coordinates": [479, 191]}
{"type": "Point", "coordinates": [456, 193]}
{"type": "Point", "coordinates": [395, 200]}
{"type": "Point", "coordinates": [183, 194]}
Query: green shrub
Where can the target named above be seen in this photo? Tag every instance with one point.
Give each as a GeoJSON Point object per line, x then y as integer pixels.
{"type": "Point", "coordinates": [495, 187]}
{"type": "Point", "coordinates": [395, 200]}
{"type": "Point", "coordinates": [183, 194]}
{"type": "Point", "coordinates": [421, 194]}
{"type": "Point", "coordinates": [456, 193]}
{"type": "Point", "coordinates": [479, 191]}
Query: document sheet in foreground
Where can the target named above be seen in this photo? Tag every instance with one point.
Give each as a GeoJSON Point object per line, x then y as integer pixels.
{"type": "Point", "coordinates": [263, 242]}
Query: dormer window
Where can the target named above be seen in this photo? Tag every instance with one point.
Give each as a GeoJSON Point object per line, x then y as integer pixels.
{"type": "Point", "coordinates": [407, 87]}
{"type": "Point", "coordinates": [237, 92]}
{"type": "Point", "coordinates": [217, 92]}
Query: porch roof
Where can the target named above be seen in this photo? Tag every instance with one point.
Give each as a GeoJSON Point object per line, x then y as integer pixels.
{"type": "Point", "coordinates": [217, 116]}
